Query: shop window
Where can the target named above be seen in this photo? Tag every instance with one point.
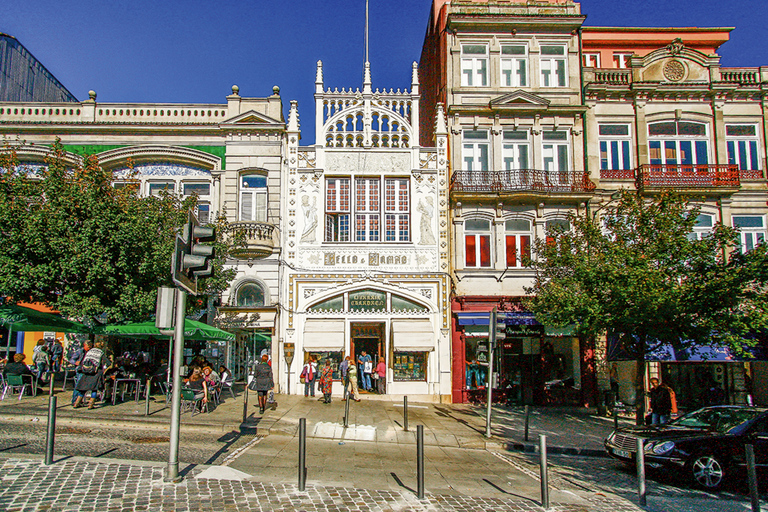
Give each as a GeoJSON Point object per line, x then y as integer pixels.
{"type": "Point", "coordinates": [335, 357]}
{"type": "Point", "coordinates": [409, 366]}
{"type": "Point", "coordinates": [742, 144]}
{"type": "Point", "coordinates": [474, 65]}
{"type": "Point", "coordinates": [518, 242]}
{"type": "Point", "coordinates": [553, 66]}
{"type": "Point", "coordinates": [751, 230]}
{"type": "Point", "coordinates": [514, 66]}
{"type": "Point", "coordinates": [474, 150]}
{"type": "Point", "coordinates": [250, 295]}
{"type": "Point", "coordinates": [477, 239]}
{"type": "Point", "coordinates": [253, 198]}
{"type": "Point", "coordinates": [614, 147]}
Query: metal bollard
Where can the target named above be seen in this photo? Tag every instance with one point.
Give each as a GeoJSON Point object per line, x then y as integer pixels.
{"type": "Point", "coordinates": [641, 472]}
{"type": "Point", "coordinates": [615, 418]}
{"type": "Point", "coordinates": [544, 473]}
{"type": "Point", "coordinates": [245, 403]}
{"type": "Point", "coordinates": [146, 398]}
{"type": "Point", "coordinates": [50, 382]}
{"type": "Point", "coordinates": [754, 495]}
{"type": "Point", "coordinates": [527, 418]}
{"type": "Point", "coordinates": [405, 413]}
{"type": "Point", "coordinates": [51, 431]}
{"type": "Point", "coordinates": [346, 412]}
{"type": "Point", "coordinates": [302, 453]}
{"type": "Point", "coordinates": [420, 461]}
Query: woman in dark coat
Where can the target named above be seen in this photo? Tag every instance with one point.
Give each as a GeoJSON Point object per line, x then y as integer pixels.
{"type": "Point", "coordinates": [262, 381]}
{"type": "Point", "coordinates": [91, 381]}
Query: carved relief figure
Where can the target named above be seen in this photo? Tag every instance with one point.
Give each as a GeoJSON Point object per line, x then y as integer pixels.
{"type": "Point", "coordinates": [427, 209]}
{"type": "Point", "coordinates": [310, 219]}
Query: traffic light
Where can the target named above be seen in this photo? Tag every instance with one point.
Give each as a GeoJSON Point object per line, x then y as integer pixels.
{"type": "Point", "coordinates": [501, 327]}
{"type": "Point", "coordinates": [191, 258]}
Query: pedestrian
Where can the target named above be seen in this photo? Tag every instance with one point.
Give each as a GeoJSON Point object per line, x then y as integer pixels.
{"type": "Point", "coordinates": [326, 381]}
{"type": "Point", "coordinates": [365, 367]}
{"type": "Point", "coordinates": [57, 352]}
{"type": "Point", "coordinates": [41, 359]}
{"type": "Point", "coordinates": [262, 381]}
{"type": "Point", "coordinates": [343, 370]}
{"type": "Point", "coordinates": [661, 402]}
{"type": "Point", "coordinates": [91, 371]}
{"type": "Point", "coordinates": [350, 386]}
{"type": "Point", "coordinates": [308, 377]}
{"type": "Point", "coordinates": [381, 376]}
{"type": "Point", "coordinates": [614, 378]}
{"type": "Point", "coordinates": [75, 359]}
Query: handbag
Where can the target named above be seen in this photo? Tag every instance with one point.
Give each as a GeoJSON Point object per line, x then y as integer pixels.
{"type": "Point", "coordinates": [303, 379]}
{"type": "Point", "coordinates": [374, 375]}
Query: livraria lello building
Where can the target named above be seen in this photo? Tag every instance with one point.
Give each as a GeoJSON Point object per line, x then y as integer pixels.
{"type": "Point", "coordinates": [411, 216]}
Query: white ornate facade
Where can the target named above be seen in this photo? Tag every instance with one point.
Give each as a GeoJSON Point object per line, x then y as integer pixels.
{"type": "Point", "coordinates": [366, 239]}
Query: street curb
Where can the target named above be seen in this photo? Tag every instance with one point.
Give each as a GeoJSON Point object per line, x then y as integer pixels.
{"type": "Point", "coordinates": [556, 450]}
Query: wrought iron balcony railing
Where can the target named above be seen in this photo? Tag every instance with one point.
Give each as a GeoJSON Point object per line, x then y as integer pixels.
{"type": "Point", "coordinates": [687, 176]}
{"type": "Point", "coordinates": [252, 240]}
{"type": "Point", "coordinates": [521, 180]}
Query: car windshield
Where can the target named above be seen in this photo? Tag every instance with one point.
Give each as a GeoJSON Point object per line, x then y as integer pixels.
{"type": "Point", "coordinates": [719, 420]}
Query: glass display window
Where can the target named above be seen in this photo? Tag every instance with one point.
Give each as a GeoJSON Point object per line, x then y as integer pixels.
{"type": "Point", "coordinates": [410, 366]}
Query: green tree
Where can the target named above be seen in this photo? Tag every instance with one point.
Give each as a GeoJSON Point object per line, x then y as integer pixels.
{"type": "Point", "coordinates": [71, 240]}
{"type": "Point", "coordinates": [639, 274]}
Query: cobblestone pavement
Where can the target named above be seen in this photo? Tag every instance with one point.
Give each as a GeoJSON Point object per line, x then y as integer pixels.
{"type": "Point", "coordinates": [85, 485]}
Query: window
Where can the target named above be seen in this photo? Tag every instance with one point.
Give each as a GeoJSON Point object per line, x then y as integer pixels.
{"type": "Point", "coordinates": [474, 150]}
{"type": "Point", "coordinates": [553, 68]}
{"type": "Point", "coordinates": [250, 295]}
{"type": "Point", "coordinates": [253, 197]}
{"type": "Point", "coordinates": [155, 188]}
{"type": "Point", "coordinates": [622, 60]}
{"type": "Point", "coordinates": [514, 66]}
{"type": "Point", "coordinates": [554, 227]}
{"type": "Point", "coordinates": [702, 228]}
{"type": "Point", "coordinates": [201, 189]}
{"type": "Point", "coordinates": [518, 241]}
{"type": "Point", "coordinates": [614, 147]}
{"type": "Point", "coordinates": [204, 213]}
{"type": "Point", "coordinates": [474, 65]}
{"type": "Point", "coordinates": [555, 151]}
{"type": "Point", "coordinates": [337, 210]}
{"type": "Point", "coordinates": [514, 150]}
{"type": "Point", "coordinates": [364, 205]}
{"type": "Point", "coordinates": [741, 140]}
{"type": "Point", "coordinates": [409, 366]}
{"type": "Point", "coordinates": [678, 143]}
{"type": "Point", "coordinates": [751, 230]}
{"type": "Point", "coordinates": [591, 60]}
{"type": "Point", "coordinates": [477, 237]}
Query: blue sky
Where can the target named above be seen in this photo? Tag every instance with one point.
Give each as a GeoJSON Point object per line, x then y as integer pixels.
{"type": "Point", "coordinates": [193, 51]}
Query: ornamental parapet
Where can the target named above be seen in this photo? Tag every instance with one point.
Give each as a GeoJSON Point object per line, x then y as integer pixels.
{"type": "Point", "coordinates": [251, 240]}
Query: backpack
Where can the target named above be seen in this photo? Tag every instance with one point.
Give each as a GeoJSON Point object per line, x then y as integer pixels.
{"type": "Point", "coordinates": [91, 362]}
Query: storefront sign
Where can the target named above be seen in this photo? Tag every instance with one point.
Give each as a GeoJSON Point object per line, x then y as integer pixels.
{"type": "Point", "coordinates": [367, 300]}
{"type": "Point", "coordinates": [288, 351]}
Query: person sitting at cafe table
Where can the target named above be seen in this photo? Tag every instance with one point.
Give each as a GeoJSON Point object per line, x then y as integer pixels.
{"type": "Point", "coordinates": [17, 367]}
{"type": "Point", "coordinates": [196, 382]}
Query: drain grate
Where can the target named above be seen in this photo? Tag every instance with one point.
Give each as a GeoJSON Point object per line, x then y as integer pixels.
{"type": "Point", "coordinates": [150, 440]}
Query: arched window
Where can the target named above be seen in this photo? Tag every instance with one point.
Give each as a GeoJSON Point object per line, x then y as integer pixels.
{"type": "Point", "coordinates": [253, 197]}
{"type": "Point", "coordinates": [518, 241]}
{"type": "Point", "coordinates": [250, 295]}
{"type": "Point", "coordinates": [477, 240]}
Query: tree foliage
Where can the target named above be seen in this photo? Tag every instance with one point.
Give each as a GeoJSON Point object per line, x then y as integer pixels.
{"type": "Point", "coordinates": [71, 240]}
{"type": "Point", "coordinates": [640, 274]}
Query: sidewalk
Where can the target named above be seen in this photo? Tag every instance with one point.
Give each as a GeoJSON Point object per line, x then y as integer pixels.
{"type": "Point", "coordinates": [376, 418]}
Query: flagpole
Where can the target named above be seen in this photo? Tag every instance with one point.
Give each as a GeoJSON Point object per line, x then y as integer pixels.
{"type": "Point", "coordinates": [366, 30]}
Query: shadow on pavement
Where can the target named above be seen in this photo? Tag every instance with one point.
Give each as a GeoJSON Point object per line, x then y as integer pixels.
{"type": "Point", "coordinates": [400, 482]}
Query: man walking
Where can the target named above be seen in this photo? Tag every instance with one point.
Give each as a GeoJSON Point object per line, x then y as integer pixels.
{"type": "Point", "coordinates": [661, 403]}
{"type": "Point", "coordinates": [365, 367]}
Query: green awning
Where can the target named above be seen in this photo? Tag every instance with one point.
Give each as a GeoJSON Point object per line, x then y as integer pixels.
{"type": "Point", "coordinates": [193, 330]}
{"type": "Point", "coordinates": [568, 330]}
{"type": "Point", "coordinates": [20, 318]}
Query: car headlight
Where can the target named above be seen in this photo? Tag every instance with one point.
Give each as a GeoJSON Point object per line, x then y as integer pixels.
{"type": "Point", "coordinates": [663, 447]}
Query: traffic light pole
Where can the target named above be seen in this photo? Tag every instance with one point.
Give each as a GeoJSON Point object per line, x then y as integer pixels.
{"type": "Point", "coordinates": [172, 474]}
{"type": "Point", "coordinates": [489, 382]}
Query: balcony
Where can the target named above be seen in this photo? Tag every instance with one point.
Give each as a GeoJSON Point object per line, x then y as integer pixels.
{"type": "Point", "coordinates": [251, 240]}
{"type": "Point", "coordinates": [521, 181]}
{"type": "Point", "coordinates": [687, 177]}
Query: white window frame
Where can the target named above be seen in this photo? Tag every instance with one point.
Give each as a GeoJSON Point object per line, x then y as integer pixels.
{"type": "Point", "coordinates": [257, 197]}
{"type": "Point", "coordinates": [203, 212]}
{"type": "Point", "coordinates": [549, 64]}
{"type": "Point", "coordinates": [170, 187]}
{"type": "Point", "coordinates": [701, 229]}
{"type": "Point", "coordinates": [516, 150]}
{"type": "Point", "coordinates": [616, 147]}
{"type": "Point", "coordinates": [194, 182]}
{"type": "Point", "coordinates": [475, 150]}
{"type": "Point", "coordinates": [750, 236]}
{"type": "Point", "coordinates": [591, 59]}
{"type": "Point", "coordinates": [367, 198]}
{"type": "Point", "coordinates": [552, 152]}
{"type": "Point", "coordinates": [743, 150]}
{"type": "Point", "coordinates": [478, 234]}
{"type": "Point", "coordinates": [474, 65]}
{"type": "Point", "coordinates": [338, 218]}
{"type": "Point", "coordinates": [622, 60]}
{"type": "Point", "coordinates": [675, 143]}
{"type": "Point", "coordinates": [514, 67]}
{"type": "Point", "coordinates": [397, 210]}
{"type": "Point", "coordinates": [518, 236]}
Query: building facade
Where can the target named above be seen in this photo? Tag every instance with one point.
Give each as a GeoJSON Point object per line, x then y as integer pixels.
{"type": "Point", "coordinates": [366, 241]}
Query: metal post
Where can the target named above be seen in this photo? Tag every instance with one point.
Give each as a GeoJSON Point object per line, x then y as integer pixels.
{"type": "Point", "coordinates": [346, 412]}
{"type": "Point", "coordinates": [489, 382]}
{"type": "Point", "coordinates": [146, 397]}
{"type": "Point", "coordinates": [641, 472]}
{"type": "Point", "coordinates": [245, 402]}
{"type": "Point", "coordinates": [405, 413]}
{"type": "Point", "coordinates": [544, 473]}
{"type": "Point", "coordinates": [51, 432]}
{"type": "Point", "coordinates": [302, 453]}
{"type": "Point", "coordinates": [527, 418]}
{"type": "Point", "coordinates": [172, 473]}
{"type": "Point", "coordinates": [754, 496]}
{"type": "Point", "coordinates": [420, 461]}
{"type": "Point", "coordinates": [50, 383]}
{"type": "Point", "coordinates": [615, 418]}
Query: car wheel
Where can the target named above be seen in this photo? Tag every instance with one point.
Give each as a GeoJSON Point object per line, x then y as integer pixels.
{"type": "Point", "coordinates": [707, 471]}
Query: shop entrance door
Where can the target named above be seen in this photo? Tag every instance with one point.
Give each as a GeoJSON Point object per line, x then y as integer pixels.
{"type": "Point", "coordinates": [368, 337]}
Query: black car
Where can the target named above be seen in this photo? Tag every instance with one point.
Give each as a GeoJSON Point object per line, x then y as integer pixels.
{"type": "Point", "coordinates": [707, 445]}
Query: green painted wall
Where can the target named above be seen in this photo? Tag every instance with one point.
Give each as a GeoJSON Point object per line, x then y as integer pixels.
{"type": "Point", "coordinates": [91, 149]}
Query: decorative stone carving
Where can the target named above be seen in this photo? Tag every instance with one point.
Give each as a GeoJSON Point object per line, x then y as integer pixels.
{"type": "Point", "coordinates": [674, 71]}
{"type": "Point", "coordinates": [427, 209]}
{"type": "Point", "coordinates": [310, 218]}
{"type": "Point", "coordinates": [676, 46]}
{"type": "Point", "coordinates": [373, 163]}
{"type": "Point", "coordinates": [426, 292]}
